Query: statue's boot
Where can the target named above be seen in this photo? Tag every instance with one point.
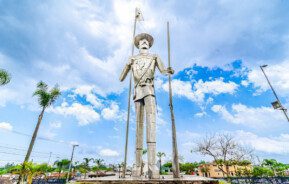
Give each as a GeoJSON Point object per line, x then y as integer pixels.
{"type": "Point", "coordinates": [136, 171]}
{"type": "Point", "coordinates": [153, 170]}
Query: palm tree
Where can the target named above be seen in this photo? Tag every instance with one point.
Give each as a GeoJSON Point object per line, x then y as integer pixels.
{"type": "Point", "coordinates": [45, 99]}
{"type": "Point", "coordinates": [61, 164]}
{"type": "Point", "coordinates": [85, 165]}
{"type": "Point", "coordinates": [99, 163]}
{"type": "Point", "coordinates": [30, 170]}
{"type": "Point", "coordinates": [4, 77]}
{"type": "Point", "coordinates": [160, 155]}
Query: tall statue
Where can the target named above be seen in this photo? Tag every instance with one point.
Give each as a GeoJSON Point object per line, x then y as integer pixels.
{"type": "Point", "coordinates": [143, 68]}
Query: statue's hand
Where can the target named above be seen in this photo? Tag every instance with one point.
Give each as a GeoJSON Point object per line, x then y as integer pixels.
{"type": "Point", "coordinates": [130, 62]}
{"type": "Point", "coordinates": [170, 70]}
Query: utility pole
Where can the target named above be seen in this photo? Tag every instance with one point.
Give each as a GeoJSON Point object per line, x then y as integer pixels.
{"type": "Point", "coordinates": [277, 104]}
{"type": "Point", "coordinates": [70, 164]}
{"type": "Point", "coordinates": [138, 16]}
{"type": "Point", "coordinates": [175, 159]}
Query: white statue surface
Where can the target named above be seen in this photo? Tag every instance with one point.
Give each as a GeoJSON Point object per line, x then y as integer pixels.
{"type": "Point", "coordinates": [143, 67]}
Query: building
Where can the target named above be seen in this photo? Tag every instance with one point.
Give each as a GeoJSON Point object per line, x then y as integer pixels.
{"type": "Point", "coordinates": [213, 171]}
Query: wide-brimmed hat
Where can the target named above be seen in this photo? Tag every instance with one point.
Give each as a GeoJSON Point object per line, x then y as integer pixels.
{"type": "Point", "coordinates": [141, 36]}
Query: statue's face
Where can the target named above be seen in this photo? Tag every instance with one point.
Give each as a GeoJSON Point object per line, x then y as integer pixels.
{"type": "Point", "coordinates": [144, 44]}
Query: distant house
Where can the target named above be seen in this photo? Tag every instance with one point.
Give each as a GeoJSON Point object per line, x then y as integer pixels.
{"type": "Point", "coordinates": [213, 171]}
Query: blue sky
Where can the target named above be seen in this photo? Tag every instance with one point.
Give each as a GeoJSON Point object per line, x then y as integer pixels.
{"type": "Point", "coordinates": [217, 48]}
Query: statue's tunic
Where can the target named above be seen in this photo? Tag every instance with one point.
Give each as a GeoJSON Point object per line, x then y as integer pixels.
{"type": "Point", "coordinates": [143, 68]}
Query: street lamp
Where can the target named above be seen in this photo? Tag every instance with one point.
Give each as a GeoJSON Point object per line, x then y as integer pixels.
{"type": "Point", "coordinates": [276, 104]}
{"type": "Point", "coordinates": [73, 147]}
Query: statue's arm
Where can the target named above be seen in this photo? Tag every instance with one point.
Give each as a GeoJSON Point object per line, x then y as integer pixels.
{"type": "Point", "coordinates": [162, 68]}
{"type": "Point", "coordinates": [125, 70]}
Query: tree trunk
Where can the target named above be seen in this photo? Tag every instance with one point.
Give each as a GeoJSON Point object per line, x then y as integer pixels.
{"type": "Point", "coordinates": [32, 141]}
{"type": "Point", "coordinates": [59, 172]}
{"type": "Point", "coordinates": [160, 166]}
{"type": "Point", "coordinates": [34, 136]}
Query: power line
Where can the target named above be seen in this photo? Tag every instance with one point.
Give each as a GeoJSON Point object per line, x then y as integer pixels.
{"type": "Point", "coordinates": [39, 137]}
{"type": "Point", "coordinates": [13, 153]}
{"type": "Point", "coordinates": [38, 152]}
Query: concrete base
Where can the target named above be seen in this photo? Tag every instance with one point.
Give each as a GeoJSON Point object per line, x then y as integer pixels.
{"type": "Point", "coordinates": [186, 179]}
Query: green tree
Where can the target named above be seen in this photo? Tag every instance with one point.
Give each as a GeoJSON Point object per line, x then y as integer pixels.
{"type": "Point", "coordinates": [45, 99]}
{"type": "Point", "coordinates": [262, 171]}
{"type": "Point", "coordinates": [188, 167]}
{"type": "Point", "coordinates": [276, 167]}
{"type": "Point", "coordinates": [84, 167]}
{"type": "Point", "coordinates": [61, 165]}
{"type": "Point", "coordinates": [98, 162]}
{"type": "Point", "coordinates": [160, 155]}
{"type": "Point", "coordinates": [168, 164]}
{"type": "Point", "coordinates": [29, 170]}
{"type": "Point", "coordinates": [4, 77]}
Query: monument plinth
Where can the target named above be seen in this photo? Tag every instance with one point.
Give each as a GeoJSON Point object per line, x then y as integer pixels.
{"type": "Point", "coordinates": [186, 179]}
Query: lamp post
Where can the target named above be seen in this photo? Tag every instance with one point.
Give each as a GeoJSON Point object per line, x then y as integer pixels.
{"type": "Point", "coordinates": [73, 147]}
{"type": "Point", "coordinates": [276, 104]}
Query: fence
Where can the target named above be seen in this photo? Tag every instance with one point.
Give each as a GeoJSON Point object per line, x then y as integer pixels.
{"type": "Point", "coordinates": [259, 180]}
{"type": "Point", "coordinates": [49, 181]}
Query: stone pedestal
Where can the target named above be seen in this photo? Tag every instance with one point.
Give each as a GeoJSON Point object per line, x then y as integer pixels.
{"type": "Point", "coordinates": [187, 179]}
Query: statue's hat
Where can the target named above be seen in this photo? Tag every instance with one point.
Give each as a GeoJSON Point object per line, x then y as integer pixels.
{"type": "Point", "coordinates": [141, 36]}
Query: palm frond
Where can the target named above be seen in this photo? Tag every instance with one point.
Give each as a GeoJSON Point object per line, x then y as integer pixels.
{"type": "Point", "coordinates": [4, 77]}
{"type": "Point", "coordinates": [54, 94]}
{"type": "Point", "coordinates": [46, 98]}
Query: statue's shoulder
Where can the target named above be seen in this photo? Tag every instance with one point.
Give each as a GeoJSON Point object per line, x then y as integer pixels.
{"type": "Point", "coordinates": [153, 56]}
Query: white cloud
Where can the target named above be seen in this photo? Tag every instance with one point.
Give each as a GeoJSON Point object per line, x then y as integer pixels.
{"type": "Point", "coordinates": [270, 144]}
{"type": "Point", "coordinates": [89, 92]}
{"type": "Point", "coordinates": [197, 92]}
{"type": "Point", "coordinates": [5, 96]}
{"type": "Point", "coordinates": [110, 113]}
{"type": "Point", "coordinates": [55, 124]}
{"type": "Point", "coordinates": [108, 153]}
{"type": "Point", "coordinates": [6, 126]}
{"type": "Point", "coordinates": [215, 87]}
{"type": "Point", "coordinates": [48, 134]}
{"type": "Point", "coordinates": [278, 75]}
{"type": "Point", "coordinates": [259, 117]}
{"type": "Point", "coordinates": [200, 114]}
{"type": "Point", "coordinates": [245, 83]}
{"type": "Point", "coordinates": [83, 113]}
{"type": "Point", "coordinates": [113, 112]}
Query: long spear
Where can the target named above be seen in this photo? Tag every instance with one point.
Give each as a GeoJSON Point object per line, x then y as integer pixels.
{"type": "Point", "coordinates": [175, 164]}
{"type": "Point", "coordinates": [138, 16]}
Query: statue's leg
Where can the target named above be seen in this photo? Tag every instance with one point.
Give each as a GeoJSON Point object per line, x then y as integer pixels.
{"type": "Point", "coordinates": [139, 107]}
{"type": "Point", "coordinates": [150, 107]}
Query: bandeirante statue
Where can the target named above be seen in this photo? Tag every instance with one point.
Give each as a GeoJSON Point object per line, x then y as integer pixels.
{"type": "Point", "coordinates": [143, 68]}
